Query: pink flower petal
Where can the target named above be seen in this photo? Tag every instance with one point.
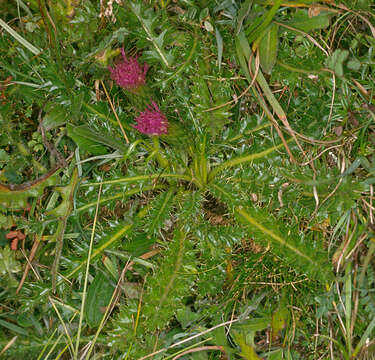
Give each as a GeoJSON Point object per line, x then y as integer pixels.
{"type": "Point", "coordinates": [129, 74]}
{"type": "Point", "coordinates": [152, 121]}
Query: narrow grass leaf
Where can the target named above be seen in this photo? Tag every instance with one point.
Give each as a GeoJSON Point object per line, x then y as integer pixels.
{"type": "Point", "coordinates": [242, 14]}
{"type": "Point", "coordinates": [15, 328]}
{"type": "Point", "coordinates": [219, 41]}
{"type": "Point", "coordinates": [19, 38]}
{"type": "Point", "coordinates": [266, 19]}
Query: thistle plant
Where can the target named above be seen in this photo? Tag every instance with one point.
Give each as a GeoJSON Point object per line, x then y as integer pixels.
{"type": "Point", "coordinates": [195, 176]}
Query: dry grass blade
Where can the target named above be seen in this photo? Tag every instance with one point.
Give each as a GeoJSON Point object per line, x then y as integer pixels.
{"type": "Point", "coordinates": [192, 337]}
{"type": "Point", "coordinates": [8, 345]}
{"type": "Point", "coordinates": [109, 308]}
{"type": "Point", "coordinates": [367, 21]}
{"type": "Point", "coordinates": [304, 34]}
{"type": "Point", "coordinates": [115, 112]}
{"type": "Point", "coordinates": [201, 348]}
{"type": "Point", "coordinates": [62, 323]}
{"type": "Point", "coordinates": [29, 261]}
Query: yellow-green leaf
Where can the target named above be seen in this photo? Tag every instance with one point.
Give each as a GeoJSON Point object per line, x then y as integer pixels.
{"type": "Point", "coordinates": [268, 48]}
{"type": "Point", "coordinates": [15, 196]}
{"type": "Point", "coordinates": [278, 321]}
{"type": "Point", "coordinates": [247, 351]}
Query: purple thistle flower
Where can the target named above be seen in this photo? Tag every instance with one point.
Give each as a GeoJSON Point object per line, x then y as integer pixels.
{"type": "Point", "coordinates": [152, 121]}
{"type": "Point", "coordinates": [129, 73]}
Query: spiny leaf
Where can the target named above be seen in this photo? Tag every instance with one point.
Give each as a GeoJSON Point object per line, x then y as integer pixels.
{"type": "Point", "coordinates": [120, 195]}
{"type": "Point", "coordinates": [191, 204]}
{"type": "Point", "coordinates": [148, 18]}
{"type": "Point", "coordinates": [225, 192]}
{"type": "Point", "coordinates": [160, 210]}
{"type": "Point", "coordinates": [163, 295]}
{"type": "Point", "coordinates": [242, 160]}
{"type": "Point", "coordinates": [16, 196]}
{"type": "Point", "coordinates": [185, 65]}
{"type": "Point", "coordinates": [106, 242]}
{"type": "Point", "coordinates": [209, 98]}
{"type": "Point", "coordinates": [285, 244]}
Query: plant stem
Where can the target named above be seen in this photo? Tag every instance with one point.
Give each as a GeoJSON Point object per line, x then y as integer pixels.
{"type": "Point", "coordinates": [159, 156]}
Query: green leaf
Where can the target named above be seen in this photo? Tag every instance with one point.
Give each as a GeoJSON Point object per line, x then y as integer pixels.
{"type": "Point", "coordinates": [242, 159]}
{"type": "Point", "coordinates": [62, 212]}
{"type": "Point", "coordinates": [81, 136]}
{"type": "Point", "coordinates": [98, 297]}
{"type": "Point", "coordinates": [210, 99]}
{"type": "Point", "coordinates": [56, 116]}
{"type": "Point", "coordinates": [160, 211]}
{"type": "Point", "coordinates": [354, 64]}
{"type": "Point", "coordinates": [219, 41]}
{"type": "Point", "coordinates": [336, 61]}
{"type": "Point", "coordinates": [148, 18]}
{"type": "Point", "coordinates": [268, 48]}
{"type": "Point", "coordinates": [164, 294]}
{"type": "Point", "coordinates": [243, 54]}
{"type": "Point", "coordinates": [120, 195]}
{"type": "Point", "coordinates": [77, 103]}
{"type": "Point", "coordinates": [92, 141]}
{"type": "Point", "coordinates": [265, 20]}
{"type": "Point", "coordinates": [65, 207]}
{"type": "Point", "coordinates": [16, 196]}
{"type": "Point", "coordinates": [247, 351]}
{"type": "Point", "coordinates": [4, 157]}
{"type": "Point", "coordinates": [242, 14]}
{"type": "Point", "coordinates": [8, 266]}
{"type": "Point", "coordinates": [278, 321]}
{"type": "Point", "coordinates": [253, 324]}
{"type": "Point", "coordinates": [302, 21]}
{"type": "Point", "coordinates": [285, 243]}
{"type": "Point", "coordinates": [19, 38]}
{"type": "Point", "coordinates": [14, 328]}
{"type": "Point", "coordinates": [105, 243]}
{"type": "Point", "coordinates": [186, 317]}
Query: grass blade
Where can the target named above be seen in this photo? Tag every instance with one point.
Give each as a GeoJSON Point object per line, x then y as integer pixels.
{"type": "Point", "coordinates": [19, 38]}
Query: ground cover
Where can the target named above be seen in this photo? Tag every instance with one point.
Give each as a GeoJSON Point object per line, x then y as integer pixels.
{"type": "Point", "coordinates": [187, 179]}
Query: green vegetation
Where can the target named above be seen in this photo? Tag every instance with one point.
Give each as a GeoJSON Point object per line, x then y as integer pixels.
{"type": "Point", "coordinates": [187, 179]}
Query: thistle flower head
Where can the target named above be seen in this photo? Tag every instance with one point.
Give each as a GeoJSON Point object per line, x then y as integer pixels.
{"type": "Point", "coordinates": [129, 74]}
{"type": "Point", "coordinates": [152, 121]}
